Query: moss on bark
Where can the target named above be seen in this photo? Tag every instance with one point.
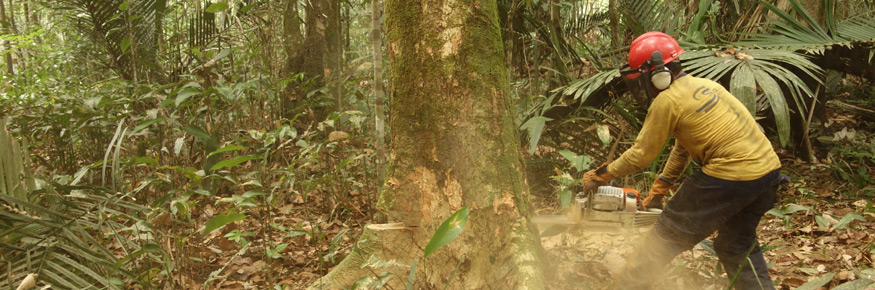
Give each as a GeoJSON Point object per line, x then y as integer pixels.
{"type": "Point", "coordinates": [454, 143]}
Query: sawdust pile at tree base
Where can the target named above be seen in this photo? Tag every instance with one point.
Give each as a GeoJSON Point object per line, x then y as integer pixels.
{"type": "Point", "coordinates": [581, 259]}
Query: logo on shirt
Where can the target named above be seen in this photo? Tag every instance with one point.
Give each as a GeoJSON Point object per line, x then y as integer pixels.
{"type": "Point", "coordinates": [703, 93]}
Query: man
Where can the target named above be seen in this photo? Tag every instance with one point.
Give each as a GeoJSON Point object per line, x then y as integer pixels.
{"type": "Point", "coordinates": [737, 182]}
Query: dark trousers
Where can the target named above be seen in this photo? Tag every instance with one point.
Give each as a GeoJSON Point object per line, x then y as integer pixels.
{"type": "Point", "coordinates": [703, 205]}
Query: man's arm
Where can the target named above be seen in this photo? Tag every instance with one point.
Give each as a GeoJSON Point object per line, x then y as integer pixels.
{"type": "Point", "coordinates": [658, 125]}
{"type": "Point", "coordinates": [677, 162]}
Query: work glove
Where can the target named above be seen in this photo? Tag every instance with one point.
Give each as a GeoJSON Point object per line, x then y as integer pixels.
{"type": "Point", "coordinates": [597, 177]}
{"type": "Point", "coordinates": [657, 192]}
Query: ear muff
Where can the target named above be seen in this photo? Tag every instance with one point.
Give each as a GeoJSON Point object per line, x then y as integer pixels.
{"type": "Point", "coordinates": [661, 76]}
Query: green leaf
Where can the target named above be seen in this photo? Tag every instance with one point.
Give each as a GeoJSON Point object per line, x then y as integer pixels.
{"type": "Point", "coordinates": [791, 208]}
{"type": "Point", "coordinates": [216, 7]}
{"type": "Point", "coordinates": [565, 198]}
{"type": "Point", "coordinates": [579, 162]}
{"type": "Point", "coordinates": [604, 134]}
{"type": "Point", "coordinates": [776, 212]}
{"type": "Point", "coordinates": [448, 231]}
{"type": "Point", "coordinates": [817, 283]}
{"type": "Point", "coordinates": [233, 162]}
{"type": "Point", "coordinates": [412, 276]}
{"type": "Point", "coordinates": [535, 126]}
{"type": "Point", "coordinates": [846, 220]}
{"type": "Point", "coordinates": [199, 133]}
{"type": "Point", "coordinates": [222, 54]}
{"type": "Point", "coordinates": [124, 6]}
{"type": "Point", "coordinates": [858, 284]}
{"type": "Point", "coordinates": [821, 222]}
{"type": "Point", "coordinates": [743, 86]}
{"type": "Point", "coordinates": [125, 43]}
{"type": "Point", "coordinates": [145, 124]}
{"type": "Point", "coordinates": [184, 94]}
{"type": "Point", "coordinates": [226, 149]}
{"type": "Point", "coordinates": [221, 220]}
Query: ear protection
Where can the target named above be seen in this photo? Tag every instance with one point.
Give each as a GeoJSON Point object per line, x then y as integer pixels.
{"type": "Point", "coordinates": [661, 76]}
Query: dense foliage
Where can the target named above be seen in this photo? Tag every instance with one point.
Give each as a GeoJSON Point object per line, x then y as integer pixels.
{"type": "Point", "coordinates": [158, 143]}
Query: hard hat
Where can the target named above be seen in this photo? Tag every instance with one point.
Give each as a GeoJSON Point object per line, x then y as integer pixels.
{"type": "Point", "coordinates": [642, 48]}
{"type": "Point", "coordinates": [648, 55]}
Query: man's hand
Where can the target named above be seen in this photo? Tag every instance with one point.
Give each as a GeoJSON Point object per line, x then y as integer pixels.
{"type": "Point", "coordinates": [657, 192]}
{"type": "Point", "coordinates": [597, 177]}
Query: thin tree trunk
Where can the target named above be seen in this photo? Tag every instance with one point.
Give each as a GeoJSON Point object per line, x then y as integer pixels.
{"type": "Point", "coordinates": [379, 116]}
{"type": "Point", "coordinates": [616, 34]}
{"type": "Point", "coordinates": [334, 49]}
{"type": "Point", "coordinates": [8, 58]}
{"type": "Point", "coordinates": [454, 143]}
{"type": "Point", "coordinates": [511, 35]}
{"type": "Point", "coordinates": [293, 40]}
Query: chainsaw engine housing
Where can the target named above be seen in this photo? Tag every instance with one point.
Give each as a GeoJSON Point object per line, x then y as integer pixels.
{"type": "Point", "coordinates": [612, 208]}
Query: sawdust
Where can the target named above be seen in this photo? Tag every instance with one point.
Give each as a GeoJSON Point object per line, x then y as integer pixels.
{"type": "Point", "coordinates": [581, 259]}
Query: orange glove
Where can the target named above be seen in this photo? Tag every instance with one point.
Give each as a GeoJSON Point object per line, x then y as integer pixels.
{"type": "Point", "coordinates": [657, 191]}
{"type": "Point", "coordinates": [597, 177]}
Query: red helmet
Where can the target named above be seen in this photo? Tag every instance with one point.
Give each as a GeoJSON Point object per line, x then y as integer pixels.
{"type": "Point", "coordinates": [643, 47]}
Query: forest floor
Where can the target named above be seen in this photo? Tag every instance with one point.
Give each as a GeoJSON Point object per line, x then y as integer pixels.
{"type": "Point", "coordinates": [815, 238]}
{"type": "Point", "coordinates": [797, 249]}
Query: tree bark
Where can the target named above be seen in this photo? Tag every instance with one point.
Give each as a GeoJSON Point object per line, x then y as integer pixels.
{"type": "Point", "coordinates": [334, 53]}
{"type": "Point", "coordinates": [8, 58]}
{"type": "Point", "coordinates": [319, 56]}
{"type": "Point", "coordinates": [293, 40]}
{"type": "Point", "coordinates": [454, 143]}
{"type": "Point", "coordinates": [616, 38]}
{"type": "Point", "coordinates": [379, 116]}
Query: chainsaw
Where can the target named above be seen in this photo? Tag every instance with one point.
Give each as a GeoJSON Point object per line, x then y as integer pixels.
{"type": "Point", "coordinates": [607, 208]}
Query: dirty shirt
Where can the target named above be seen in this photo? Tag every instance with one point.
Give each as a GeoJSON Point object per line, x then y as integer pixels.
{"type": "Point", "coordinates": [709, 125]}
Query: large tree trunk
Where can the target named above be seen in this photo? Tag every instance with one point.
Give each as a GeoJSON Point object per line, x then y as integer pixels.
{"type": "Point", "coordinates": [454, 144]}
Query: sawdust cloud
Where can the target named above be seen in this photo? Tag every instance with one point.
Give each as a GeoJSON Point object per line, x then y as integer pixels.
{"type": "Point", "coordinates": [581, 259]}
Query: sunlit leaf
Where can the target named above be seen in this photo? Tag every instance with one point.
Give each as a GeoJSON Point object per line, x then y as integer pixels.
{"type": "Point", "coordinates": [535, 126]}
{"type": "Point", "coordinates": [216, 7]}
{"type": "Point", "coordinates": [221, 220]}
{"type": "Point", "coordinates": [226, 149]}
{"type": "Point", "coordinates": [858, 284]}
{"type": "Point", "coordinates": [448, 231]}
{"type": "Point", "coordinates": [233, 162]}
{"type": "Point", "coordinates": [184, 94]}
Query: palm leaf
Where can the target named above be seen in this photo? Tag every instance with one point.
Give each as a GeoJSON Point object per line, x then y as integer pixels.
{"type": "Point", "coordinates": [47, 235]}
{"type": "Point", "coordinates": [129, 35]}
{"type": "Point", "coordinates": [765, 68]}
{"type": "Point", "coordinates": [581, 89]}
{"type": "Point", "coordinates": [788, 33]}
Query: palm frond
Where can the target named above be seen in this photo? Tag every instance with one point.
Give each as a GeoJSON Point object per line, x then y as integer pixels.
{"type": "Point", "coordinates": [127, 30]}
{"type": "Point", "coordinates": [15, 179]}
{"type": "Point", "coordinates": [788, 33]}
{"type": "Point", "coordinates": [764, 68]}
{"type": "Point", "coordinates": [60, 232]}
{"type": "Point", "coordinates": [581, 89]}
{"type": "Point", "coordinates": [643, 16]}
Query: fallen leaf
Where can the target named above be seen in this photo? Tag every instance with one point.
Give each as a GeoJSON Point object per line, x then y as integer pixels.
{"type": "Point", "coordinates": [805, 229]}
{"type": "Point", "coordinates": [28, 282]}
{"type": "Point", "coordinates": [337, 135]}
{"type": "Point", "coordinates": [845, 275]}
{"type": "Point", "coordinates": [792, 282]}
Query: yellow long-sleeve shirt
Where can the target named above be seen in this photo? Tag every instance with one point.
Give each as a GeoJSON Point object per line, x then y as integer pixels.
{"type": "Point", "coordinates": [710, 125]}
